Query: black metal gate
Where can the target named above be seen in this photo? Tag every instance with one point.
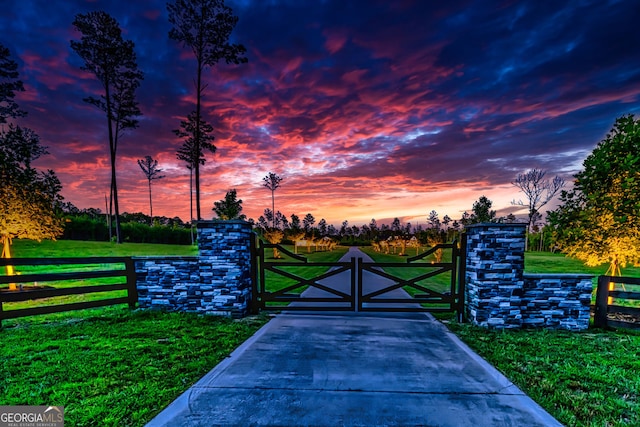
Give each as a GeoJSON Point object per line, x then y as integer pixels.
{"type": "Point", "coordinates": [417, 284]}
{"type": "Point", "coordinates": [413, 285]}
{"type": "Point", "coordinates": [301, 288]}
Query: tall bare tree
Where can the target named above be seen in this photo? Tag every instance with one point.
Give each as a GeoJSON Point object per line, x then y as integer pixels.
{"type": "Point", "coordinates": [113, 61]}
{"type": "Point", "coordinates": [272, 182]}
{"type": "Point", "coordinates": [150, 168]}
{"type": "Point", "coordinates": [204, 26]}
{"type": "Point", "coordinates": [538, 191]}
{"type": "Point", "coordinates": [9, 85]}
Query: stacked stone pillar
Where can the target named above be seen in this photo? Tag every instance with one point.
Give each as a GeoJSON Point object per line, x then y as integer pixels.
{"type": "Point", "coordinates": [225, 266]}
{"type": "Point", "coordinates": [494, 274]}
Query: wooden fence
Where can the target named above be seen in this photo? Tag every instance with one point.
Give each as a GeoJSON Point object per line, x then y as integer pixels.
{"type": "Point", "coordinates": [121, 267]}
{"type": "Point", "coordinates": [604, 309]}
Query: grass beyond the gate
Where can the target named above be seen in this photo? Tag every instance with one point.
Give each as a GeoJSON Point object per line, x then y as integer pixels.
{"type": "Point", "coordinates": [439, 283]}
{"type": "Point", "coordinates": [112, 366]}
{"type": "Point", "coordinates": [275, 282]}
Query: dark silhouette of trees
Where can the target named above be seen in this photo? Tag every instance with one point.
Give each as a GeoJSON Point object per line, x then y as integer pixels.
{"type": "Point", "coordinates": [295, 224]}
{"type": "Point", "coordinates": [150, 168]}
{"type": "Point", "coordinates": [230, 207]}
{"type": "Point", "coordinates": [598, 220]}
{"type": "Point", "coordinates": [113, 61]}
{"type": "Point", "coordinates": [481, 211]}
{"type": "Point", "coordinates": [203, 26]}
{"type": "Point", "coordinates": [9, 85]}
{"type": "Point", "coordinates": [272, 182]}
{"type": "Point", "coordinates": [307, 223]}
{"type": "Point", "coordinates": [322, 227]}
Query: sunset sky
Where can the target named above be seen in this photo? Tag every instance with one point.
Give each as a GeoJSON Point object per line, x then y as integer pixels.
{"type": "Point", "coordinates": [367, 109]}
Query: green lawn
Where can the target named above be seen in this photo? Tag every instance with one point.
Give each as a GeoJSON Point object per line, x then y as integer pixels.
{"type": "Point", "coordinates": [112, 366]}
{"type": "Point", "coordinates": [590, 378]}
{"type": "Point", "coordinates": [546, 262]}
{"type": "Point", "coordinates": [80, 248]}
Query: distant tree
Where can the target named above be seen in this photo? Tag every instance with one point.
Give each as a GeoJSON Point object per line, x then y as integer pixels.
{"type": "Point", "coordinates": [538, 191]}
{"type": "Point", "coordinates": [203, 26]}
{"type": "Point", "coordinates": [29, 199]}
{"type": "Point", "coordinates": [481, 211]}
{"type": "Point", "coordinates": [307, 223]}
{"type": "Point", "coordinates": [407, 228]}
{"type": "Point", "coordinates": [150, 168]}
{"type": "Point", "coordinates": [9, 85]}
{"type": "Point", "coordinates": [193, 153]}
{"type": "Point", "coordinates": [270, 217]}
{"type": "Point", "coordinates": [322, 227]}
{"type": "Point", "coordinates": [344, 227]}
{"type": "Point", "coordinates": [365, 232]}
{"type": "Point", "coordinates": [262, 222]}
{"type": "Point", "coordinates": [434, 220]}
{"type": "Point", "coordinates": [272, 182]}
{"type": "Point", "coordinates": [395, 225]}
{"type": "Point", "coordinates": [598, 220]}
{"type": "Point", "coordinates": [230, 207]}
{"type": "Point", "coordinates": [331, 230]}
{"type": "Point", "coordinates": [113, 61]}
{"type": "Point", "coordinates": [295, 223]}
{"type": "Point", "coordinates": [281, 220]}
{"type": "Point", "coordinates": [446, 220]}
{"type": "Point", "coordinates": [466, 218]}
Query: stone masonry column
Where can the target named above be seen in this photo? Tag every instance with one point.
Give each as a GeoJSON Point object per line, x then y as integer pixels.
{"type": "Point", "coordinates": [225, 267]}
{"type": "Point", "coordinates": [494, 274]}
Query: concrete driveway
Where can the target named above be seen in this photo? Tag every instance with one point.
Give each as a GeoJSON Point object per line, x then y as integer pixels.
{"type": "Point", "coordinates": [353, 369]}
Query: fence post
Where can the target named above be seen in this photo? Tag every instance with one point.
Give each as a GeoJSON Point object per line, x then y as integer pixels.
{"type": "Point", "coordinates": [255, 290]}
{"type": "Point", "coordinates": [462, 272]}
{"type": "Point", "coordinates": [602, 302]}
{"type": "Point", "coordinates": [132, 288]}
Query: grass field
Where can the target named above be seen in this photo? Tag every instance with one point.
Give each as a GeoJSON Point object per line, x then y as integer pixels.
{"type": "Point", "coordinates": [80, 248]}
{"type": "Point", "coordinates": [112, 366]}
